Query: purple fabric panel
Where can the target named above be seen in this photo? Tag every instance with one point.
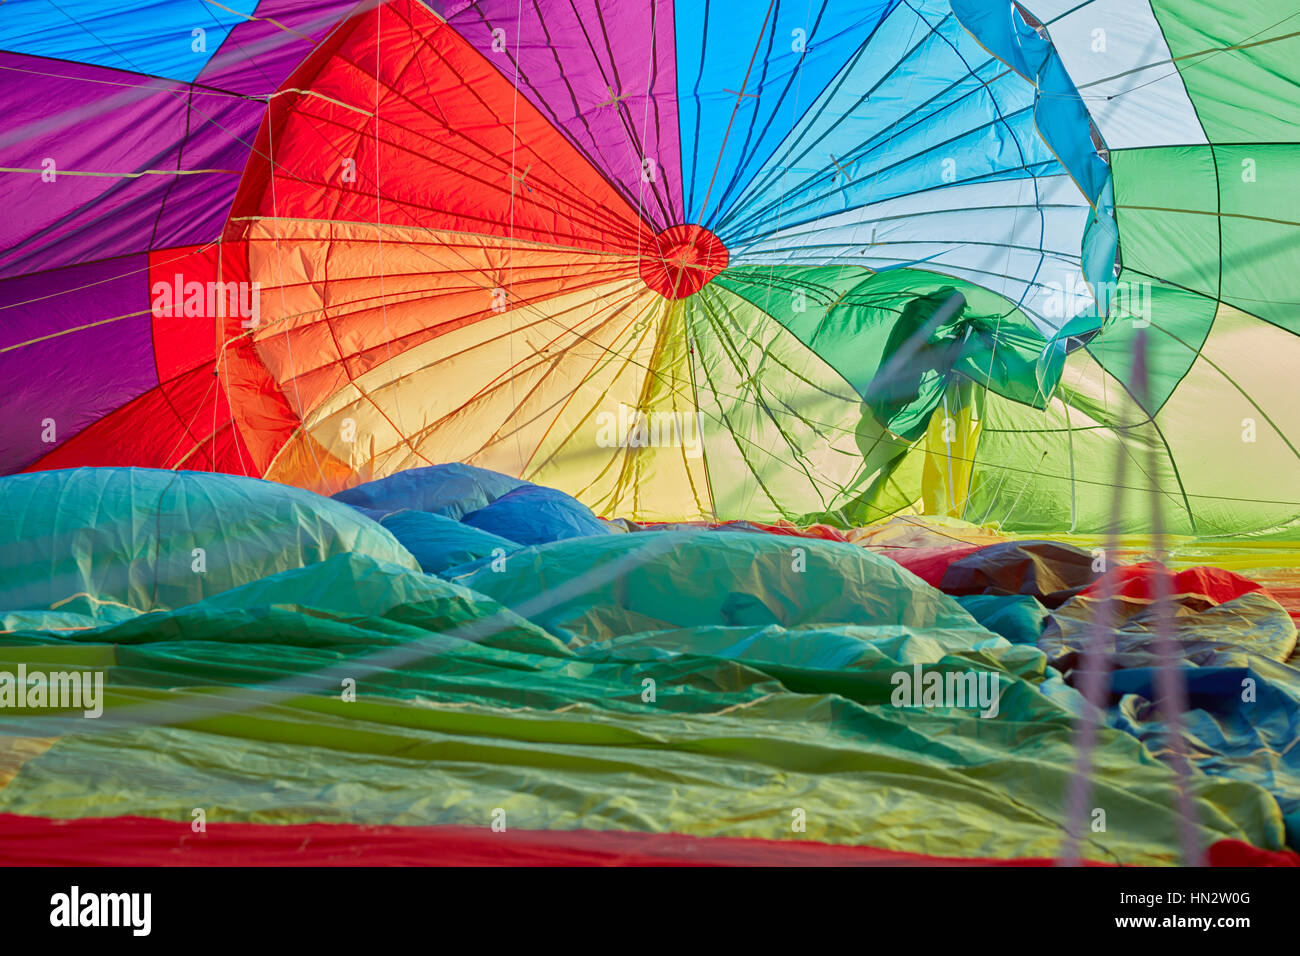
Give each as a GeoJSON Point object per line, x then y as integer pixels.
{"type": "Point", "coordinates": [77, 378]}
{"type": "Point", "coordinates": [98, 120]}
{"type": "Point", "coordinates": [259, 55]}
{"type": "Point", "coordinates": [221, 136]}
{"type": "Point", "coordinates": [570, 57]}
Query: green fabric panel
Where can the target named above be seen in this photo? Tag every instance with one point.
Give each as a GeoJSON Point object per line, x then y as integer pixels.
{"type": "Point", "coordinates": [1025, 468]}
{"type": "Point", "coordinates": [781, 716]}
{"type": "Point", "coordinates": [896, 489]}
{"type": "Point", "coordinates": [1241, 95]}
{"type": "Point", "coordinates": [1167, 201]}
{"type": "Point", "coordinates": [1041, 472]}
{"type": "Point", "coordinates": [686, 579]}
{"type": "Point", "coordinates": [1003, 356]}
{"type": "Point", "coordinates": [856, 321]}
{"type": "Point", "coordinates": [1169, 214]}
{"type": "Point", "coordinates": [912, 382]}
{"type": "Point", "coordinates": [1235, 431]}
{"type": "Point", "coordinates": [853, 765]}
{"type": "Point", "coordinates": [1261, 229]}
{"type": "Point", "coordinates": [784, 435]}
{"type": "Point", "coordinates": [52, 652]}
{"type": "Point", "coordinates": [810, 302]}
{"type": "Point", "coordinates": [1179, 322]}
{"type": "Point", "coordinates": [107, 543]}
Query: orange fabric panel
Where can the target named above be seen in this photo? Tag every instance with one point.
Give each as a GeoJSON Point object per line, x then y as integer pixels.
{"type": "Point", "coordinates": [349, 297]}
{"type": "Point", "coordinates": [259, 408]}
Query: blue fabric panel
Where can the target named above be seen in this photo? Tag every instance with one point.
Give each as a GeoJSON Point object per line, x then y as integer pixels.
{"type": "Point", "coordinates": [453, 490]}
{"type": "Point", "coordinates": [155, 37]}
{"type": "Point", "coordinates": [537, 515]}
{"type": "Point", "coordinates": [1017, 617]}
{"type": "Point", "coordinates": [439, 542]}
{"type": "Point", "coordinates": [967, 119]}
{"type": "Point", "coordinates": [716, 42]}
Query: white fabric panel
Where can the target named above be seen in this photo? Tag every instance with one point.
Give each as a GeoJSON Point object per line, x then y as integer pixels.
{"type": "Point", "coordinates": [1150, 107]}
{"type": "Point", "coordinates": [1045, 300]}
{"type": "Point", "coordinates": [1048, 10]}
{"type": "Point", "coordinates": [968, 231]}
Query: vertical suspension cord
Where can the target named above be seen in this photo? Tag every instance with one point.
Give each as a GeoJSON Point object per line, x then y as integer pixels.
{"type": "Point", "coordinates": [1171, 687]}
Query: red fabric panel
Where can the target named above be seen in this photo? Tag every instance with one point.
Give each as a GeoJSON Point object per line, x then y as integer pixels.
{"type": "Point", "coordinates": [138, 841]}
{"type": "Point", "coordinates": [1137, 582]}
{"type": "Point", "coordinates": [929, 564]}
{"type": "Point", "coordinates": [1238, 853]}
{"type": "Point", "coordinates": [1289, 598]}
{"type": "Point", "coordinates": [187, 421]}
{"type": "Point", "coordinates": [455, 145]}
{"type": "Point", "coordinates": [682, 260]}
{"type": "Point", "coordinates": [182, 343]}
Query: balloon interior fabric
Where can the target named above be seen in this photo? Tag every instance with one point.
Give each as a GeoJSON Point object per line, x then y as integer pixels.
{"type": "Point", "coordinates": [728, 431]}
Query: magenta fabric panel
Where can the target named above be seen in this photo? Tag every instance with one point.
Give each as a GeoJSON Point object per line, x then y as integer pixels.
{"type": "Point", "coordinates": [588, 67]}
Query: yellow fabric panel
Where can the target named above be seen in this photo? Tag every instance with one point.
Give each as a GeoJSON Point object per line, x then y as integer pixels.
{"type": "Point", "coordinates": [16, 751]}
{"type": "Point", "coordinates": [916, 531]}
{"type": "Point", "coordinates": [628, 442]}
{"type": "Point", "coordinates": [483, 393]}
{"type": "Point", "coordinates": [951, 440]}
